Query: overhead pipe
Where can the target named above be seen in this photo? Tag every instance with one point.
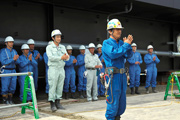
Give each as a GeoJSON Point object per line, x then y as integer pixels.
{"type": "Point", "coordinates": [19, 42]}
{"type": "Point", "coordinates": [119, 13]}
{"type": "Point", "coordinates": [161, 53]}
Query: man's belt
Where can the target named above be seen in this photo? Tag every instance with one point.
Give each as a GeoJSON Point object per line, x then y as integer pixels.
{"type": "Point", "coordinates": [91, 68]}
{"type": "Point", "coordinates": [9, 68]}
{"type": "Point", "coordinates": [116, 70]}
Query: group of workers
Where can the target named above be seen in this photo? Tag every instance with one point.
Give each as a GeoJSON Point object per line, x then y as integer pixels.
{"type": "Point", "coordinates": [61, 75]}
{"type": "Point", "coordinates": [27, 62]}
{"type": "Point", "coordinates": [150, 60]}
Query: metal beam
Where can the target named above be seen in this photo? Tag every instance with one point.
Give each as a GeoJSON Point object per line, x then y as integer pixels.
{"type": "Point", "coordinates": [17, 105]}
{"type": "Point", "coordinates": [16, 74]}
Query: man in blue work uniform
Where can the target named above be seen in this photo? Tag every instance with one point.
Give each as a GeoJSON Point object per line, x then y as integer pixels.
{"type": "Point", "coordinates": [45, 57]}
{"type": "Point", "coordinates": [101, 89]}
{"type": "Point", "coordinates": [70, 74]}
{"type": "Point", "coordinates": [134, 69]}
{"type": "Point", "coordinates": [82, 79]}
{"type": "Point", "coordinates": [26, 64]}
{"type": "Point", "coordinates": [9, 58]}
{"type": "Point", "coordinates": [38, 58]}
{"type": "Point", "coordinates": [151, 60]}
{"type": "Point", "coordinates": [114, 52]}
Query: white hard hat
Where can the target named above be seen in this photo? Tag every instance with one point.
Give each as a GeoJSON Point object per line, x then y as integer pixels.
{"type": "Point", "coordinates": [50, 42]}
{"type": "Point", "coordinates": [114, 23]}
{"type": "Point", "coordinates": [24, 46]}
{"type": "Point", "coordinates": [30, 41]}
{"type": "Point", "coordinates": [91, 45]}
{"type": "Point", "coordinates": [133, 45]}
{"type": "Point", "coordinates": [69, 47]}
{"type": "Point", "coordinates": [99, 46]}
{"type": "Point", "coordinates": [149, 47]}
{"type": "Point", "coordinates": [9, 39]}
{"type": "Point", "coordinates": [82, 47]}
{"type": "Point", "coordinates": [56, 32]}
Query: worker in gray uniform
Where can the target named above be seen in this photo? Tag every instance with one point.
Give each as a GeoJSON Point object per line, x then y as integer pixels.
{"type": "Point", "coordinates": [92, 64]}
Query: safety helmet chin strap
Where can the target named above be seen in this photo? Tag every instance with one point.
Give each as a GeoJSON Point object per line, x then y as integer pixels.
{"type": "Point", "coordinates": [113, 35]}
{"type": "Point", "coordinates": [8, 46]}
{"type": "Point", "coordinates": [25, 53]}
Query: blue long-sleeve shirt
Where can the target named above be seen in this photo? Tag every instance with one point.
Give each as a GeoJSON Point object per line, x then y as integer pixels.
{"type": "Point", "coordinates": [81, 64]}
{"type": "Point", "coordinates": [136, 57]}
{"type": "Point", "coordinates": [6, 57]}
{"type": "Point", "coordinates": [148, 59]}
{"type": "Point", "coordinates": [69, 65]}
{"type": "Point", "coordinates": [25, 65]}
{"type": "Point", "coordinates": [103, 63]}
{"type": "Point", "coordinates": [114, 53]}
{"type": "Point", "coordinates": [34, 54]}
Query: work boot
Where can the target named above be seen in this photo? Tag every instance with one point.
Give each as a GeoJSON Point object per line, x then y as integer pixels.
{"type": "Point", "coordinates": [154, 90]}
{"type": "Point", "coordinates": [58, 105]}
{"type": "Point", "coordinates": [5, 99]}
{"type": "Point", "coordinates": [53, 107]}
{"type": "Point", "coordinates": [73, 95]}
{"type": "Point", "coordinates": [132, 91]}
{"type": "Point", "coordinates": [136, 90]}
{"type": "Point", "coordinates": [84, 94]}
{"type": "Point", "coordinates": [66, 94]}
{"type": "Point", "coordinates": [117, 118]}
{"type": "Point", "coordinates": [147, 90]}
{"type": "Point", "coordinates": [81, 95]}
{"type": "Point", "coordinates": [10, 96]}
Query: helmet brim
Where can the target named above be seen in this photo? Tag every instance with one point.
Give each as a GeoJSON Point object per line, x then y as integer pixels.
{"type": "Point", "coordinates": [116, 28]}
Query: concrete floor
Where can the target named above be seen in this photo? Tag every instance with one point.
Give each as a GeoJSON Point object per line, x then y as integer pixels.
{"type": "Point", "coordinates": [139, 107]}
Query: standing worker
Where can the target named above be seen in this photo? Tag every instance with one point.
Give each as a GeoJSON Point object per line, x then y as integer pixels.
{"type": "Point", "coordinates": [151, 60]}
{"type": "Point", "coordinates": [26, 64]}
{"type": "Point", "coordinates": [101, 89]}
{"type": "Point", "coordinates": [38, 58]}
{"type": "Point", "coordinates": [92, 63]}
{"type": "Point", "coordinates": [114, 52]}
{"type": "Point", "coordinates": [82, 79]}
{"type": "Point", "coordinates": [45, 57]}
{"type": "Point", "coordinates": [9, 59]}
{"type": "Point", "coordinates": [70, 74]}
{"type": "Point", "coordinates": [134, 69]}
{"type": "Point", "coordinates": [57, 54]}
